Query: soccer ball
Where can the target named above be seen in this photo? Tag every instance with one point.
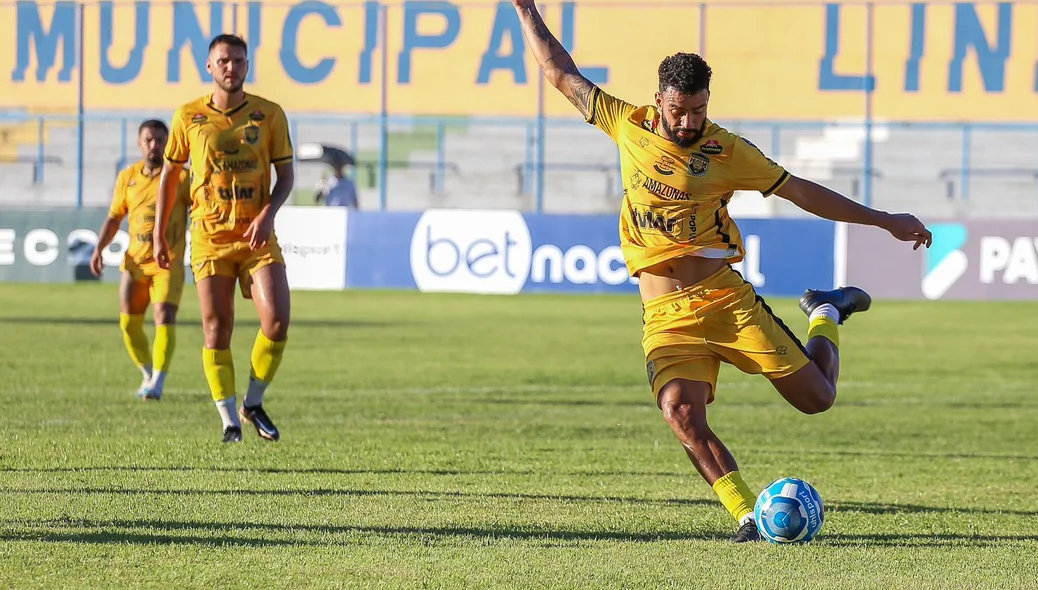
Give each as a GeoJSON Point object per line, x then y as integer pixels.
{"type": "Point", "coordinates": [789, 511]}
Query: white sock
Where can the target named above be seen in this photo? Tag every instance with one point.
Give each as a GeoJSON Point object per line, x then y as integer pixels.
{"type": "Point", "coordinates": [254, 394]}
{"type": "Point", "coordinates": [158, 380]}
{"type": "Point", "coordinates": [825, 310]}
{"type": "Point", "coordinates": [749, 517]}
{"type": "Point", "coordinates": [227, 413]}
{"type": "Point", "coordinates": [146, 371]}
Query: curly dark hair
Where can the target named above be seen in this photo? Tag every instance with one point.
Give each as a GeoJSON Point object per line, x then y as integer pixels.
{"type": "Point", "coordinates": [686, 73]}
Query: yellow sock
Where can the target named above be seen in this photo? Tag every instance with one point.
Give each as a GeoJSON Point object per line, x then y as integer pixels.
{"type": "Point", "coordinates": [165, 344]}
{"type": "Point", "coordinates": [266, 357]}
{"type": "Point", "coordinates": [826, 328]}
{"type": "Point", "coordinates": [735, 495]}
{"type": "Point", "coordinates": [219, 372]}
{"type": "Point", "coordinates": [136, 340]}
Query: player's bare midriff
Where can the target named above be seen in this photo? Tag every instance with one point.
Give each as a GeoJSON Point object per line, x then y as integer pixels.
{"type": "Point", "coordinates": [676, 274]}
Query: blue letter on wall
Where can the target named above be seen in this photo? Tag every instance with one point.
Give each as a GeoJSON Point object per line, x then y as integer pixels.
{"type": "Point", "coordinates": [370, 41]}
{"type": "Point", "coordinates": [969, 32]}
{"type": "Point", "coordinates": [62, 28]}
{"type": "Point", "coordinates": [413, 40]}
{"type": "Point", "coordinates": [827, 79]}
{"type": "Point", "coordinates": [595, 75]}
{"type": "Point", "coordinates": [290, 42]}
{"type": "Point", "coordinates": [186, 29]}
{"type": "Point", "coordinates": [918, 44]}
{"type": "Point", "coordinates": [254, 38]}
{"type": "Point", "coordinates": [506, 22]}
{"type": "Point", "coordinates": [130, 71]}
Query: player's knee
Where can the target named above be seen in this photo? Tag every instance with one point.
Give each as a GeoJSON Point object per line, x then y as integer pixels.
{"type": "Point", "coordinates": [819, 401]}
{"type": "Point", "coordinates": [165, 314]}
{"type": "Point", "coordinates": [217, 330]}
{"type": "Point", "coordinates": [685, 418]}
{"type": "Point", "coordinates": [276, 329]}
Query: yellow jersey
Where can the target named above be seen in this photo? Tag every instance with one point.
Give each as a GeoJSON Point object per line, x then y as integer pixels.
{"type": "Point", "coordinates": [231, 153]}
{"type": "Point", "coordinates": [135, 196]}
{"type": "Point", "coordinates": [675, 199]}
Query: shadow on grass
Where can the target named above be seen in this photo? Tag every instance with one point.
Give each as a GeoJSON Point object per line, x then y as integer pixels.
{"type": "Point", "coordinates": [158, 532]}
{"type": "Point", "coordinates": [261, 534]}
{"type": "Point", "coordinates": [197, 322]}
{"type": "Point", "coordinates": [832, 507]}
{"type": "Point", "coordinates": [344, 492]}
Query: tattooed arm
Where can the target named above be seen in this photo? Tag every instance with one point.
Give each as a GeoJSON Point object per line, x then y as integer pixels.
{"type": "Point", "coordinates": [555, 61]}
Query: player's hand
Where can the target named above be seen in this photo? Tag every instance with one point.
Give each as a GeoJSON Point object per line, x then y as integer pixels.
{"type": "Point", "coordinates": [160, 250]}
{"type": "Point", "coordinates": [259, 230]}
{"type": "Point", "coordinates": [907, 228]}
{"type": "Point", "coordinates": [97, 265]}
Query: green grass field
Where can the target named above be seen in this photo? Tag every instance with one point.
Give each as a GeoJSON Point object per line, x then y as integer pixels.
{"type": "Point", "coordinates": [433, 441]}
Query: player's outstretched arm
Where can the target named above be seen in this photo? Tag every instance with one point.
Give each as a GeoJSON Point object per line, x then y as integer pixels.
{"type": "Point", "coordinates": [552, 57]}
{"type": "Point", "coordinates": [823, 202]}
{"type": "Point", "coordinates": [169, 183]}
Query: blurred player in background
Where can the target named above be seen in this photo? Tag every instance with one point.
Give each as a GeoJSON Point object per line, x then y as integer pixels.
{"type": "Point", "coordinates": [143, 281]}
{"type": "Point", "coordinates": [680, 170]}
{"type": "Point", "coordinates": [231, 139]}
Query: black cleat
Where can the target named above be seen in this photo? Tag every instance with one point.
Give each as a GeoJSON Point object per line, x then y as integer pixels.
{"type": "Point", "coordinates": [258, 418]}
{"type": "Point", "coordinates": [231, 434]}
{"type": "Point", "coordinates": [846, 300]}
{"type": "Point", "coordinates": [747, 533]}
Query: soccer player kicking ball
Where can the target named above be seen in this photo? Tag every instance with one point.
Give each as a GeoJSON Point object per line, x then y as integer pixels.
{"type": "Point", "coordinates": [231, 139]}
{"type": "Point", "coordinates": [143, 280]}
{"type": "Point", "coordinates": [680, 170]}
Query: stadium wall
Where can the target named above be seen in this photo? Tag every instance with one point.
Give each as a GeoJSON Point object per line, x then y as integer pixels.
{"type": "Point", "coordinates": [511, 252]}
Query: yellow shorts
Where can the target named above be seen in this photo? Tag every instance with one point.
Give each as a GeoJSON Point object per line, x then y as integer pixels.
{"type": "Point", "coordinates": [688, 333]}
{"type": "Point", "coordinates": [164, 285]}
{"type": "Point", "coordinates": [234, 259]}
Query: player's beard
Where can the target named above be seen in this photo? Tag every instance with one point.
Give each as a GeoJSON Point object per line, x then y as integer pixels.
{"type": "Point", "coordinates": [682, 142]}
{"type": "Point", "coordinates": [231, 87]}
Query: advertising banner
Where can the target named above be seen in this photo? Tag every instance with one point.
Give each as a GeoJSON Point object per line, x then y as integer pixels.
{"type": "Point", "coordinates": [55, 246]}
{"type": "Point", "coordinates": [969, 260]}
{"type": "Point", "coordinates": [313, 242]}
{"type": "Point", "coordinates": [509, 252]}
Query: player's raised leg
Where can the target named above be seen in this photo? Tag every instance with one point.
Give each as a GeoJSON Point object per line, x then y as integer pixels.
{"type": "Point", "coordinates": [684, 407]}
{"type": "Point", "coordinates": [812, 389]}
{"type": "Point", "coordinates": [271, 295]}
{"type": "Point", "coordinates": [133, 304]}
{"type": "Point", "coordinates": [216, 296]}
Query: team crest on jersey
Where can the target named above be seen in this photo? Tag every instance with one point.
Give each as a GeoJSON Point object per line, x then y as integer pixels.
{"type": "Point", "coordinates": [257, 115]}
{"type": "Point", "coordinates": [665, 166]}
{"type": "Point", "coordinates": [251, 135]}
{"type": "Point", "coordinates": [712, 147]}
{"type": "Point", "coordinates": [636, 180]}
{"type": "Point", "coordinates": [198, 118]}
{"type": "Point", "coordinates": [698, 164]}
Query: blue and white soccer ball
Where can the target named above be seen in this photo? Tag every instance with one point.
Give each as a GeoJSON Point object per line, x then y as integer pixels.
{"type": "Point", "coordinates": [789, 511]}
